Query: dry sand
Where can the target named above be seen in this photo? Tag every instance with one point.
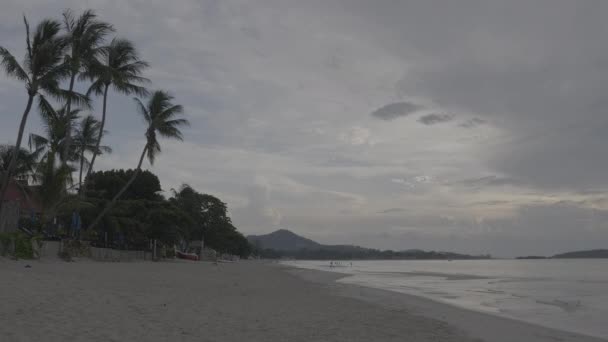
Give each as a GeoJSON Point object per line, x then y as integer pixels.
{"type": "Point", "coordinates": [247, 301]}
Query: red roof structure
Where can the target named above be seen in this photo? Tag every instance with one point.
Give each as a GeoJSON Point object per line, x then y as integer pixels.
{"type": "Point", "coordinates": [25, 195]}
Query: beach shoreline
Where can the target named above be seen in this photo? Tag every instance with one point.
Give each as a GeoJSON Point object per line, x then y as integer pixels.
{"type": "Point", "coordinates": [483, 325]}
{"type": "Point", "coordinates": [248, 300]}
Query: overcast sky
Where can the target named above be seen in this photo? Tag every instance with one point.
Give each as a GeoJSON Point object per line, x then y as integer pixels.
{"type": "Point", "coordinates": [472, 126]}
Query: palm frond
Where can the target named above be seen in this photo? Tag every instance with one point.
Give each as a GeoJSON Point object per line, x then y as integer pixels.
{"type": "Point", "coordinates": [119, 65]}
{"type": "Point", "coordinates": [76, 98]}
{"type": "Point", "coordinates": [46, 110]}
{"type": "Point", "coordinates": [11, 66]}
{"type": "Point", "coordinates": [37, 143]}
{"type": "Point", "coordinates": [85, 137]}
{"type": "Point", "coordinates": [68, 20]}
{"type": "Point", "coordinates": [130, 88]}
{"type": "Point", "coordinates": [141, 108]}
{"type": "Point", "coordinates": [170, 112]}
{"type": "Point", "coordinates": [28, 43]}
{"type": "Point", "coordinates": [85, 35]}
{"type": "Point", "coordinates": [46, 31]}
{"type": "Point", "coordinates": [97, 87]}
{"type": "Point", "coordinates": [170, 132]}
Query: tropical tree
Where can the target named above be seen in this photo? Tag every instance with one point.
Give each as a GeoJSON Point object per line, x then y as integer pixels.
{"type": "Point", "coordinates": [84, 36]}
{"type": "Point", "coordinates": [104, 185]}
{"type": "Point", "coordinates": [162, 118]}
{"type": "Point", "coordinates": [53, 175]}
{"type": "Point", "coordinates": [52, 180]}
{"type": "Point", "coordinates": [86, 141]}
{"type": "Point", "coordinates": [120, 68]}
{"type": "Point", "coordinates": [42, 70]}
{"type": "Point", "coordinates": [190, 202]}
{"type": "Point", "coordinates": [209, 220]}
{"type": "Point", "coordinates": [25, 166]}
{"type": "Point", "coordinates": [55, 124]}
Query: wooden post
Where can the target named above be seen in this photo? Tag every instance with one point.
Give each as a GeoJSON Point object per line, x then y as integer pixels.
{"type": "Point", "coordinates": [200, 258]}
{"type": "Point", "coordinates": [154, 251]}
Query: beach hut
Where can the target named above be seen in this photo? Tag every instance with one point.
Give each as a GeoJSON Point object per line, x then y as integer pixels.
{"type": "Point", "coordinates": [20, 201]}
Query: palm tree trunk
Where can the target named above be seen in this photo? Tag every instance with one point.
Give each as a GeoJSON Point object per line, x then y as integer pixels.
{"type": "Point", "coordinates": [16, 149]}
{"type": "Point", "coordinates": [81, 167]}
{"type": "Point", "coordinates": [103, 123]}
{"type": "Point", "coordinates": [68, 132]}
{"type": "Point", "coordinates": [111, 204]}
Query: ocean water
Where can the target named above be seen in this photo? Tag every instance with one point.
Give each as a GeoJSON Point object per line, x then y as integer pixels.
{"type": "Point", "coordinates": [569, 295]}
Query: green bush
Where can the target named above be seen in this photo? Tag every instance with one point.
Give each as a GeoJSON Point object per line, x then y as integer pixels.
{"type": "Point", "coordinates": [19, 245]}
{"type": "Point", "coordinates": [6, 240]}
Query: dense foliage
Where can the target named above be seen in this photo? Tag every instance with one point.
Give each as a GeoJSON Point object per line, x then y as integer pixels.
{"type": "Point", "coordinates": [106, 184]}
{"type": "Point", "coordinates": [210, 222]}
{"type": "Point", "coordinates": [143, 214]}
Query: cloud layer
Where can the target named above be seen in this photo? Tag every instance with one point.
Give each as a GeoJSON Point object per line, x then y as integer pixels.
{"type": "Point", "coordinates": [309, 115]}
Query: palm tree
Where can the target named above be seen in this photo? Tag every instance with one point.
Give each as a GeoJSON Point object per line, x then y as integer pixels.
{"type": "Point", "coordinates": [52, 174]}
{"type": "Point", "coordinates": [120, 68]}
{"type": "Point", "coordinates": [84, 36]}
{"type": "Point", "coordinates": [41, 70]}
{"type": "Point", "coordinates": [161, 117]}
{"type": "Point", "coordinates": [25, 166]}
{"type": "Point", "coordinates": [51, 145]}
{"type": "Point", "coordinates": [86, 141]}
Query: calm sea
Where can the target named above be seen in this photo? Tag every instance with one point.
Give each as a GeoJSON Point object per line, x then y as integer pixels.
{"type": "Point", "coordinates": [569, 295]}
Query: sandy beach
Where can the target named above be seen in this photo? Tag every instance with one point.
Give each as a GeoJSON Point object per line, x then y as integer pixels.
{"type": "Point", "coordinates": [246, 301]}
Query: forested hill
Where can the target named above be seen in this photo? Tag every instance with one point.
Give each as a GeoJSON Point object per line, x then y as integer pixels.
{"type": "Point", "coordinates": [590, 254]}
{"type": "Point", "coordinates": [283, 240]}
{"type": "Point", "coordinates": [286, 244]}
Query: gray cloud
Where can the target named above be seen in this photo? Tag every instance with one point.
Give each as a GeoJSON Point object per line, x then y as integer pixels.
{"type": "Point", "coordinates": [486, 181]}
{"type": "Point", "coordinates": [434, 118]}
{"type": "Point", "coordinates": [395, 110]}
{"type": "Point", "coordinates": [392, 210]}
{"type": "Point", "coordinates": [491, 203]}
{"type": "Point", "coordinates": [538, 81]}
{"type": "Point", "coordinates": [471, 123]}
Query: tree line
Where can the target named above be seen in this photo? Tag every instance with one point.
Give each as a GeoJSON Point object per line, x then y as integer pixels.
{"type": "Point", "coordinates": [59, 161]}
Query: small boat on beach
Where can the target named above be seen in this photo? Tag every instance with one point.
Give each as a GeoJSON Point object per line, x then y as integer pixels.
{"type": "Point", "coordinates": [187, 256]}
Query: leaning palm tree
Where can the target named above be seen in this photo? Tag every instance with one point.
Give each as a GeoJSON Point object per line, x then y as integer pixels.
{"type": "Point", "coordinates": [41, 71]}
{"type": "Point", "coordinates": [120, 67]}
{"type": "Point", "coordinates": [84, 36]}
{"type": "Point", "coordinates": [86, 141]}
{"type": "Point", "coordinates": [161, 116]}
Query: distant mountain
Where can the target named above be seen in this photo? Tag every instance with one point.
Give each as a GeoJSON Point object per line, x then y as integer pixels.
{"type": "Point", "coordinates": [283, 243]}
{"type": "Point", "coordinates": [590, 254]}
{"type": "Point", "coordinates": [283, 240]}
{"type": "Point", "coordinates": [531, 257]}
